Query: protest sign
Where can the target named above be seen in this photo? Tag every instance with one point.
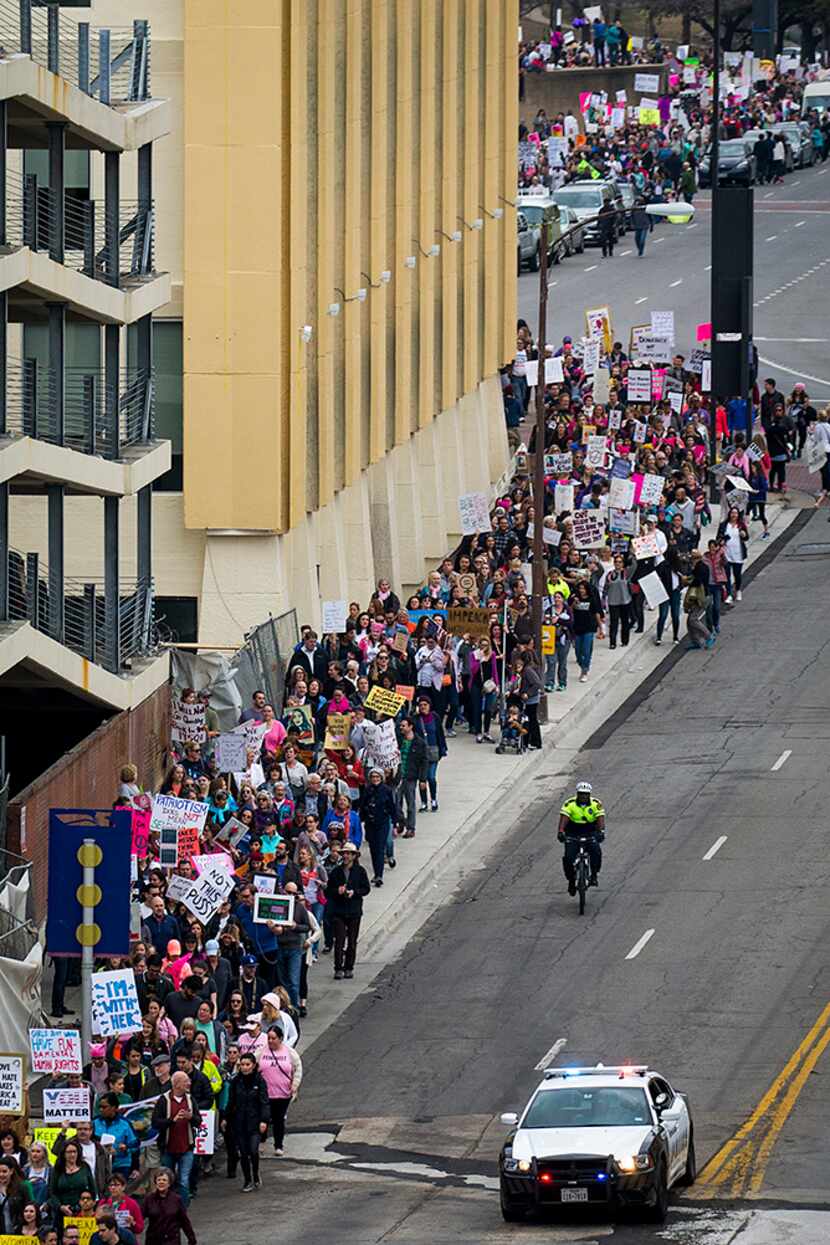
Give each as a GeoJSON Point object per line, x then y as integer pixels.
{"type": "Point", "coordinates": [654, 347]}
{"type": "Point", "coordinates": [640, 431]}
{"type": "Point", "coordinates": [11, 1084]}
{"type": "Point", "coordinates": [754, 452]}
{"type": "Point", "coordinates": [620, 469]}
{"type": "Point", "coordinates": [532, 373]}
{"type": "Point", "coordinates": [187, 842]}
{"type": "Point", "coordinates": [338, 726]}
{"type": "Point", "coordinates": [333, 617]}
{"type": "Point", "coordinates": [696, 359]}
{"type": "Point", "coordinates": [66, 1104]}
{"type": "Point", "coordinates": [676, 401]}
{"type": "Point", "coordinates": [563, 498]}
{"type": "Point", "coordinates": [115, 1006]}
{"type": "Point", "coordinates": [651, 489]}
{"type": "Point", "coordinates": [272, 907]}
{"type": "Point", "coordinates": [232, 832]}
{"type": "Point", "coordinates": [231, 753]}
{"type": "Point", "coordinates": [648, 82]}
{"type": "Point", "coordinates": [475, 620]}
{"type": "Point", "coordinates": [639, 385]}
{"type": "Point", "coordinates": [205, 1138]}
{"type": "Point", "coordinates": [47, 1138]}
{"type": "Point", "coordinates": [178, 887]}
{"type": "Point", "coordinates": [813, 452]}
{"type": "Point", "coordinates": [400, 643]}
{"type": "Point", "coordinates": [55, 1050]}
{"type": "Point", "coordinates": [689, 75]}
{"type": "Point", "coordinates": [595, 454]}
{"type": "Point", "coordinates": [140, 825]}
{"type": "Point", "coordinates": [622, 97]}
{"type": "Point", "coordinates": [405, 690]}
{"type": "Point", "coordinates": [621, 494]}
{"type": "Point", "coordinates": [737, 497]}
{"type": "Point", "coordinates": [588, 430]}
{"type": "Point", "coordinates": [614, 420]}
{"type": "Point", "coordinates": [653, 590]}
{"type": "Point", "coordinates": [662, 324]}
{"type": "Point", "coordinates": [626, 522]}
{"type": "Point", "coordinates": [253, 733]}
{"type": "Point", "coordinates": [645, 546]}
{"type": "Point", "coordinates": [548, 639]}
{"type": "Point", "coordinates": [598, 320]}
{"type": "Point", "coordinates": [264, 884]}
{"type": "Point", "coordinates": [703, 332]}
{"type": "Point", "coordinates": [171, 813]}
{"type": "Point", "coordinates": [381, 700]}
{"type": "Point", "coordinates": [212, 860]}
{"type": "Point", "coordinates": [648, 116]}
{"type": "Point", "coordinates": [187, 722]}
{"type": "Point", "coordinates": [299, 718]}
{"type": "Point", "coordinates": [554, 374]}
{"type": "Point", "coordinates": [474, 513]}
{"type": "Point", "coordinates": [559, 464]}
{"type": "Point", "coordinates": [87, 1226]}
{"type": "Point", "coordinates": [706, 376]}
{"type": "Point", "coordinates": [588, 529]}
{"type": "Point", "coordinates": [385, 751]}
{"type": "Point", "coordinates": [206, 894]}
{"type": "Point", "coordinates": [602, 386]}
{"type": "Point", "coordinates": [617, 118]}
{"type": "Point", "coordinates": [590, 356]}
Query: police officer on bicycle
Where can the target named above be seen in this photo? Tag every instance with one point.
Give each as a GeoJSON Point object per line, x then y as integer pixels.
{"type": "Point", "coordinates": [581, 816]}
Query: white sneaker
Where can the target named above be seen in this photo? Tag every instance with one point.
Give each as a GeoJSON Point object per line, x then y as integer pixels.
{"type": "Point", "coordinates": [583, 678]}
{"type": "Point", "coordinates": [728, 600]}
{"type": "Point", "coordinates": [739, 596]}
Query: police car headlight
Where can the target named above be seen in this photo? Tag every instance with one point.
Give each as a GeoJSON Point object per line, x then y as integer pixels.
{"type": "Point", "coordinates": [517, 1165]}
{"type": "Point", "coordinates": [635, 1163]}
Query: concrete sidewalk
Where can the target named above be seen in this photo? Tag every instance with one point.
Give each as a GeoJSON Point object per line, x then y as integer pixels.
{"type": "Point", "coordinates": [481, 793]}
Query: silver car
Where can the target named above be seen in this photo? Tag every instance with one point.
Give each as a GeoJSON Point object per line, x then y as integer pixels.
{"type": "Point", "coordinates": [573, 242]}
{"type": "Point", "coordinates": [527, 244]}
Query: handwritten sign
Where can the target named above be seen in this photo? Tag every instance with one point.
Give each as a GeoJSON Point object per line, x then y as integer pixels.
{"type": "Point", "coordinates": [187, 842]}
{"type": "Point", "coordinates": [187, 722]}
{"type": "Point", "coordinates": [205, 895]}
{"type": "Point", "coordinates": [590, 356]}
{"type": "Point", "coordinates": [559, 464]}
{"type": "Point", "coordinates": [87, 1226]}
{"type": "Point", "coordinates": [645, 546]}
{"type": "Point", "coordinates": [651, 489]}
{"type": "Point", "coordinates": [115, 1006]}
{"type": "Point", "coordinates": [253, 733]}
{"type": "Point", "coordinates": [621, 494]}
{"type": "Point", "coordinates": [333, 617]}
{"type": "Point", "coordinates": [475, 620]}
{"type": "Point", "coordinates": [563, 498]}
{"type": "Point", "coordinates": [385, 751]}
{"type": "Point", "coordinates": [589, 529]}
{"type": "Point", "coordinates": [204, 1141]}
{"type": "Point", "coordinates": [595, 454]}
{"type": "Point", "coordinates": [11, 1084]}
{"type": "Point", "coordinates": [474, 513]}
{"type": "Point", "coordinates": [231, 753]}
{"type": "Point", "coordinates": [140, 845]}
{"type": "Point", "coordinates": [169, 812]}
{"type": "Point", "coordinates": [55, 1050]}
{"type": "Point", "coordinates": [338, 726]}
{"type": "Point", "coordinates": [381, 700]}
{"type": "Point", "coordinates": [66, 1104]}
{"type": "Point", "coordinates": [648, 82]}
{"type": "Point", "coordinates": [662, 324]}
{"type": "Point", "coordinates": [639, 385]}
{"type": "Point", "coordinates": [47, 1138]}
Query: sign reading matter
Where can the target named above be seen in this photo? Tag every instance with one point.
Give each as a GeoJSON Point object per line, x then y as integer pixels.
{"type": "Point", "coordinates": [56, 1050]}
{"type": "Point", "coordinates": [11, 1084]}
{"type": "Point", "coordinates": [71, 1103]}
{"type": "Point", "coordinates": [115, 1006]}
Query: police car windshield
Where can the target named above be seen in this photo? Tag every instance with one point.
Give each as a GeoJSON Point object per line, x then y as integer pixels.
{"type": "Point", "coordinates": [578, 198]}
{"type": "Point", "coordinates": [573, 1106]}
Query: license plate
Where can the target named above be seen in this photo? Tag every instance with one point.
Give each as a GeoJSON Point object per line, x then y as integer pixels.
{"type": "Point", "coordinates": [574, 1195]}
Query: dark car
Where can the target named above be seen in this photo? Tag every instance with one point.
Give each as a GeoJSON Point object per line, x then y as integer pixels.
{"type": "Point", "coordinates": [800, 137]}
{"type": "Point", "coordinates": [736, 163]}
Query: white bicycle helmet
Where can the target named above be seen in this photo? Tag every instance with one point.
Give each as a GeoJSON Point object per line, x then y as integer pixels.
{"type": "Point", "coordinates": [583, 788]}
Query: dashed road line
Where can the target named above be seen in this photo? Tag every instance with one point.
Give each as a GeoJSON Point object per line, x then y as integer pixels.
{"type": "Point", "coordinates": [799, 223]}
{"type": "Point", "coordinates": [591, 269]}
{"type": "Point", "coordinates": [549, 1056]}
{"type": "Point", "coordinates": [715, 848]}
{"type": "Point", "coordinates": [639, 944]}
{"type": "Point", "coordinates": [640, 300]}
{"type": "Point", "coordinates": [674, 283]}
{"type": "Point", "coordinates": [782, 760]}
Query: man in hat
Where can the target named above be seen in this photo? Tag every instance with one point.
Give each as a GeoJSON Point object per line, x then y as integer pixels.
{"type": "Point", "coordinates": [159, 1082]}
{"type": "Point", "coordinates": [251, 985]}
{"type": "Point", "coordinates": [347, 885]}
{"type": "Point", "coordinates": [220, 971]}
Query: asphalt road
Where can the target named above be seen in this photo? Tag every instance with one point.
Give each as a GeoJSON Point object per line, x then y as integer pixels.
{"type": "Point", "coordinates": [792, 265]}
{"type": "Point", "coordinates": [395, 1133]}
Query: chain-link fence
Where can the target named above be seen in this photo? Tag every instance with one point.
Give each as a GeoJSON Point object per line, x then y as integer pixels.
{"type": "Point", "coordinates": [262, 660]}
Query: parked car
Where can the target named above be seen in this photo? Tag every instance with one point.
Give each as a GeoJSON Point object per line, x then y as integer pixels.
{"type": "Point", "coordinates": [538, 207]}
{"type": "Point", "coordinates": [736, 163]}
{"type": "Point", "coordinates": [752, 136]}
{"type": "Point", "coordinates": [800, 137]}
{"type": "Point", "coordinates": [527, 247]}
{"type": "Point", "coordinates": [573, 235]}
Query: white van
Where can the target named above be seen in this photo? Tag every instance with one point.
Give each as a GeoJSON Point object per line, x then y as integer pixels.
{"type": "Point", "coordinates": [816, 95]}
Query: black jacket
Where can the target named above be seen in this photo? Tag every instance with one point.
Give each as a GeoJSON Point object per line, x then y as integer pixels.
{"type": "Point", "coordinates": [377, 806]}
{"type": "Point", "coordinates": [355, 879]}
{"type": "Point", "coordinates": [161, 1112]}
{"type": "Point", "coordinates": [315, 664]}
{"type": "Point", "coordinates": [248, 1105]}
{"type": "Point", "coordinates": [415, 768]}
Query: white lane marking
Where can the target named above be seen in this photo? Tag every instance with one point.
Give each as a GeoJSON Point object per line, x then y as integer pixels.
{"type": "Point", "coordinates": [674, 283]}
{"type": "Point", "coordinates": [772, 237]}
{"type": "Point", "coordinates": [715, 848]}
{"type": "Point", "coordinates": [692, 226]}
{"type": "Point", "coordinates": [782, 760]}
{"type": "Point", "coordinates": [708, 268]}
{"type": "Point", "coordinates": [796, 183]}
{"type": "Point", "coordinates": [821, 172]}
{"type": "Point", "coordinates": [799, 223]}
{"type": "Point", "coordinates": [640, 300]}
{"type": "Point", "coordinates": [656, 240]}
{"type": "Point", "coordinates": [820, 380]}
{"type": "Point", "coordinates": [549, 1056]}
{"type": "Point", "coordinates": [591, 269]}
{"type": "Point", "coordinates": [551, 284]}
{"type": "Point", "coordinates": [639, 944]}
{"type": "Point", "coordinates": [768, 195]}
{"type": "Point", "coordinates": [624, 253]}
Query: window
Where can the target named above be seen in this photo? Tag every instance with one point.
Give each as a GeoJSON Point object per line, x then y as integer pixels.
{"type": "Point", "coordinates": [177, 619]}
{"type": "Point", "coordinates": [588, 1107]}
{"type": "Point", "coordinates": [167, 363]}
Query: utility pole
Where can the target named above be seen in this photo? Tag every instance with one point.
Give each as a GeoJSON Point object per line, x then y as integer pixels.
{"type": "Point", "coordinates": [539, 460]}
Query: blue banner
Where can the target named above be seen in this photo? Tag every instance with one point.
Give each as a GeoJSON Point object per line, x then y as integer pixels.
{"type": "Point", "coordinates": [111, 831]}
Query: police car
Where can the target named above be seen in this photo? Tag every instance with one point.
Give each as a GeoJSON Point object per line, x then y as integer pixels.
{"type": "Point", "coordinates": [615, 1136]}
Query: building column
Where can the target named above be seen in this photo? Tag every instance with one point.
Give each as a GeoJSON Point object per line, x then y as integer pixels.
{"type": "Point", "coordinates": [145, 205]}
{"type": "Point", "coordinates": [54, 494]}
{"type": "Point", "coordinates": [112, 610]}
{"type": "Point", "coordinates": [3, 150]}
{"type": "Point", "coordinates": [144, 534]}
{"type": "Point", "coordinates": [57, 197]}
{"type": "Point", "coordinates": [144, 363]}
{"type": "Point", "coordinates": [112, 215]}
{"type": "Point", "coordinates": [57, 370]}
{"type": "Point", "coordinates": [4, 355]}
{"type": "Point", "coordinates": [112, 363]}
{"type": "Point", "coordinates": [4, 552]}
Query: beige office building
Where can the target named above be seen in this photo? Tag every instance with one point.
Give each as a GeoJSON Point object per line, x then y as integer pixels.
{"type": "Point", "coordinates": [333, 207]}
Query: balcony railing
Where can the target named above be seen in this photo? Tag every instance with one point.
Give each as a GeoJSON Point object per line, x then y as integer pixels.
{"type": "Point", "coordinates": [111, 63]}
{"type": "Point", "coordinates": [32, 408]}
{"type": "Point", "coordinates": [32, 220]}
{"type": "Point", "coordinates": [83, 624]}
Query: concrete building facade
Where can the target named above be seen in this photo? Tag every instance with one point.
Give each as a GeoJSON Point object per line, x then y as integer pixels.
{"type": "Point", "coordinates": [334, 210]}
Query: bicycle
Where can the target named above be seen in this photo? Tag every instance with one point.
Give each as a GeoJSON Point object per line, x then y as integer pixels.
{"type": "Point", "coordinates": [582, 873]}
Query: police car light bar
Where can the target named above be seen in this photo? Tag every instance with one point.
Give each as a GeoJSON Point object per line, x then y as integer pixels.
{"type": "Point", "coordinates": [621, 1070]}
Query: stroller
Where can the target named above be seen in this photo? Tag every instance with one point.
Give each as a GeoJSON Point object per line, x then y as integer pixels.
{"type": "Point", "coordinates": [513, 724]}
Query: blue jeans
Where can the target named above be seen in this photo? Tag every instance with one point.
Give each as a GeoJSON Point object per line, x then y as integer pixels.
{"type": "Point", "coordinates": [715, 598]}
{"type": "Point", "coordinates": [672, 604]}
{"type": "Point", "coordinates": [640, 236]}
{"type": "Point", "coordinates": [319, 910]}
{"type": "Point", "coordinates": [584, 647]}
{"type": "Point", "coordinates": [182, 1164]}
{"type": "Point", "coordinates": [432, 782]}
{"type": "Point", "coordinates": [289, 963]}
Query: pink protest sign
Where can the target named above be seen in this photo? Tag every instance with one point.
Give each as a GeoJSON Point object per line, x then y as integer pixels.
{"type": "Point", "coordinates": [141, 832]}
{"type": "Point", "coordinates": [704, 332]}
